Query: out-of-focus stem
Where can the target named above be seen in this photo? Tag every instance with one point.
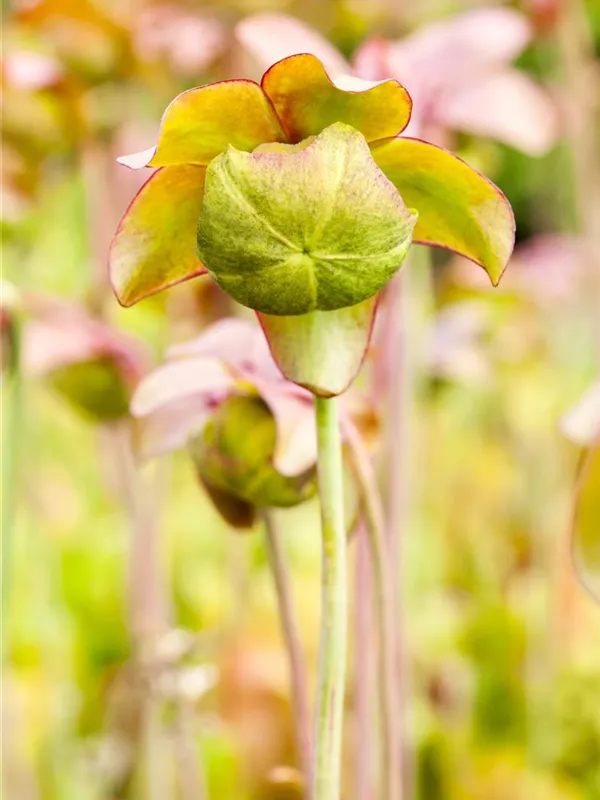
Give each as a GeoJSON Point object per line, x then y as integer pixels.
{"type": "Point", "coordinates": [329, 710]}
{"type": "Point", "coordinates": [363, 667]}
{"type": "Point", "coordinates": [397, 367]}
{"type": "Point", "coordinates": [582, 77]}
{"type": "Point", "coordinates": [291, 637]}
{"type": "Point", "coordinates": [102, 206]}
{"type": "Point", "coordinates": [148, 608]}
{"type": "Point", "coordinates": [192, 780]}
{"type": "Point", "coordinates": [11, 429]}
{"type": "Point", "coordinates": [12, 432]}
{"type": "Point", "coordinates": [390, 708]}
{"type": "Point", "coordinates": [408, 305]}
{"type": "Point", "coordinates": [156, 779]}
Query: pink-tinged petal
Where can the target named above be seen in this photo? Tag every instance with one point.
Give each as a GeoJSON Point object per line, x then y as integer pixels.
{"type": "Point", "coordinates": [60, 334]}
{"type": "Point", "coordinates": [324, 350]}
{"type": "Point", "coordinates": [31, 71]}
{"type": "Point", "coordinates": [188, 41]}
{"type": "Point", "coordinates": [155, 244]}
{"type": "Point", "coordinates": [549, 268]}
{"type": "Point", "coordinates": [296, 444]}
{"type": "Point", "coordinates": [226, 339]}
{"type": "Point", "coordinates": [201, 123]}
{"type": "Point", "coordinates": [138, 160]}
{"type": "Point", "coordinates": [458, 208]}
{"type": "Point", "coordinates": [372, 60]}
{"type": "Point", "coordinates": [202, 378]}
{"type": "Point", "coordinates": [450, 53]}
{"type": "Point", "coordinates": [238, 343]}
{"type": "Point", "coordinates": [581, 424]}
{"type": "Point", "coordinates": [270, 37]}
{"type": "Point", "coordinates": [457, 350]}
{"type": "Point", "coordinates": [167, 429]}
{"type": "Point", "coordinates": [507, 106]}
{"type": "Point", "coordinates": [49, 345]}
{"type": "Point", "coordinates": [307, 100]}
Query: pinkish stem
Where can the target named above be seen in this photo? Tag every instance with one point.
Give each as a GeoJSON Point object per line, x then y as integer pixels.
{"type": "Point", "coordinates": [291, 637]}
{"type": "Point", "coordinates": [363, 667]}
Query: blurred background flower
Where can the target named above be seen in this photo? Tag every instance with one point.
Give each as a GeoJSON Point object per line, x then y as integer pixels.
{"type": "Point", "coordinates": [249, 432]}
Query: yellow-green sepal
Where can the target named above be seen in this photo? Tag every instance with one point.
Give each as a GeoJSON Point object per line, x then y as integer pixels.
{"type": "Point", "coordinates": [324, 350]}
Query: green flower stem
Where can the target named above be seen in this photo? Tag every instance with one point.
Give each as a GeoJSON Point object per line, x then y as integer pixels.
{"type": "Point", "coordinates": [291, 636]}
{"type": "Point", "coordinates": [391, 772]}
{"type": "Point", "coordinates": [332, 655]}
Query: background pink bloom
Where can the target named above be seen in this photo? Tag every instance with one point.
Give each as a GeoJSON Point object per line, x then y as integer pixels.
{"type": "Point", "coordinates": [458, 72]}
{"type": "Point", "coordinates": [230, 357]}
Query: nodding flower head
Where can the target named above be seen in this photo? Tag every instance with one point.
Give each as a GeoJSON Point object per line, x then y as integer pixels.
{"type": "Point", "coordinates": [299, 196]}
{"type": "Point", "coordinates": [250, 432]}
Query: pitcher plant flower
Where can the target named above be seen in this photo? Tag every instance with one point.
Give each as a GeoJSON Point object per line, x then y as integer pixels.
{"type": "Point", "coordinates": [249, 432]}
{"type": "Point", "coordinates": [229, 148]}
{"type": "Point", "coordinates": [300, 198]}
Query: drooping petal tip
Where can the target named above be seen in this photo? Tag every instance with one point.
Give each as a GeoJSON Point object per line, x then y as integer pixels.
{"type": "Point", "coordinates": [322, 351]}
{"type": "Point", "coordinates": [154, 246]}
{"type": "Point", "coordinates": [138, 160]}
{"type": "Point", "coordinates": [459, 209]}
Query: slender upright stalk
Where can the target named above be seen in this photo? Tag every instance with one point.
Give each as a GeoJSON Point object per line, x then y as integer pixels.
{"type": "Point", "coordinates": [363, 667]}
{"type": "Point", "coordinates": [332, 655]}
{"type": "Point", "coordinates": [399, 379]}
{"type": "Point", "coordinates": [148, 612]}
{"type": "Point", "coordinates": [390, 708]}
{"type": "Point", "coordinates": [578, 65]}
{"type": "Point", "coordinates": [192, 778]}
{"type": "Point", "coordinates": [580, 72]}
{"type": "Point", "coordinates": [398, 357]}
{"type": "Point", "coordinates": [99, 169]}
{"type": "Point", "coordinates": [11, 411]}
{"type": "Point", "coordinates": [408, 311]}
{"type": "Point", "coordinates": [156, 777]}
{"type": "Point", "coordinates": [291, 637]}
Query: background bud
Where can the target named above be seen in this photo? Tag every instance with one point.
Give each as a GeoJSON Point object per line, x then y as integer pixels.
{"type": "Point", "coordinates": [234, 454]}
{"type": "Point", "coordinates": [293, 229]}
{"type": "Point", "coordinates": [95, 387]}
